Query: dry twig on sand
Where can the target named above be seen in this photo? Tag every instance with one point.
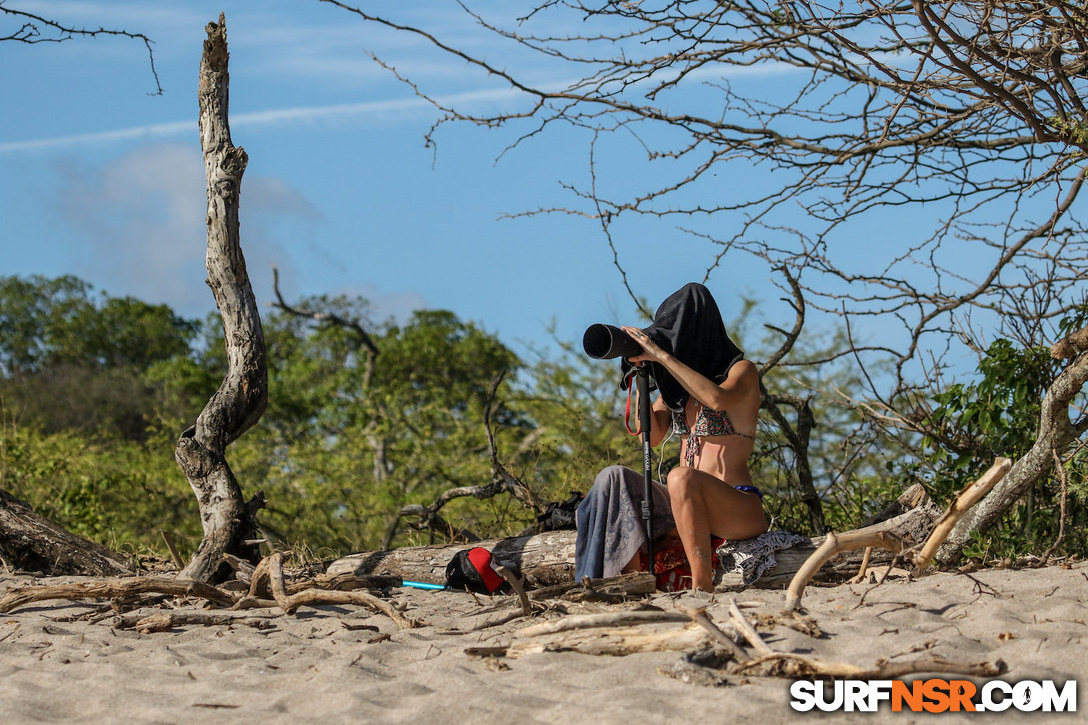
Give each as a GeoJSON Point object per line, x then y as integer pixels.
{"type": "Point", "coordinates": [787, 664]}
{"type": "Point", "coordinates": [165, 621]}
{"type": "Point", "coordinates": [267, 576]}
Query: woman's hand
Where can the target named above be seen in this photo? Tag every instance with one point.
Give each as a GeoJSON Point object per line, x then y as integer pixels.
{"type": "Point", "coordinates": [650, 351]}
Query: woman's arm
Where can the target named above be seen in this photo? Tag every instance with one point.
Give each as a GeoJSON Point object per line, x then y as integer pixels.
{"type": "Point", "coordinates": [734, 391]}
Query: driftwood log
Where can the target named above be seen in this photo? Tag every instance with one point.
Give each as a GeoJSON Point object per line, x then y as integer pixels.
{"type": "Point", "coordinates": [228, 521]}
{"type": "Point", "coordinates": [113, 589]}
{"type": "Point", "coordinates": [34, 543]}
{"type": "Point", "coordinates": [910, 519]}
{"type": "Point", "coordinates": [548, 559]}
{"type": "Point", "coordinates": [544, 559]}
{"type": "Point", "coordinates": [879, 537]}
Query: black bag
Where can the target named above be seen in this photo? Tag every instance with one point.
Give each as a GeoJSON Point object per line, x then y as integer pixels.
{"type": "Point", "coordinates": [560, 515]}
{"type": "Point", "coordinates": [474, 569]}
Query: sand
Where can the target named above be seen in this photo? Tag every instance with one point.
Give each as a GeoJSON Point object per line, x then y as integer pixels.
{"type": "Point", "coordinates": [334, 664]}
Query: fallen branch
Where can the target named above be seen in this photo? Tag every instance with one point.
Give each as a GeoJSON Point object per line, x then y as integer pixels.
{"type": "Point", "coordinates": [624, 640]}
{"type": "Point", "coordinates": [963, 502]}
{"type": "Point", "coordinates": [747, 631]}
{"type": "Point", "coordinates": [114, 588]}
{"type": "Point", "coordinates": [34, 543]}
{"type": "Point", "coordinates": [515, 584]}
{"type": "Point", "coordinates": [786, 664]}
{"type": "Point", "coordinates": [243, 570]}
{"type": "Point", "coordinates": [289, 603]}
{"type": "Point", "coordinates": [608, 619]}
{"type": "Point", "coordinates": [833, 545]}
{"type": "Point", "coordinates": [315, 597]}
{"type": "Point", "coordinates": [165, 621]}
{"type": "Point", "coordinates": [892, 670]}
{"type": "Point", "coordinates": [721, 638]}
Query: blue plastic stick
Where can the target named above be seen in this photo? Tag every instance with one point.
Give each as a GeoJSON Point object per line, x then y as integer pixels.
{"type": "Point", "coordinates": [422, 585]}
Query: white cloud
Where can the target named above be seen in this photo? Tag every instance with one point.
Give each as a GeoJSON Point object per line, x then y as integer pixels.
{"type": "Point", "coordinates": [139, 222]}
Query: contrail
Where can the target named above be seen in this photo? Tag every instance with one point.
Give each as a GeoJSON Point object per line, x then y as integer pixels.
{"type": "Point", "coordinates": [284, 116]}
{"type": "Point", "coordinates": [273, 117]}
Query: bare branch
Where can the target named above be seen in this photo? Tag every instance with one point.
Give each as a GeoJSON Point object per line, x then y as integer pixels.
{"type": "Point", "coordinates": [31, 32]}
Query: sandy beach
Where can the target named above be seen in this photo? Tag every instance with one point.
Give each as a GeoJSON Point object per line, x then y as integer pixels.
{"type": "Point", "coordinates": [345, 663]}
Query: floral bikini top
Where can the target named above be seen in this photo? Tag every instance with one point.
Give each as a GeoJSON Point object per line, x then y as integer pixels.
{"type": "Point", "coordinates": [708, 422]}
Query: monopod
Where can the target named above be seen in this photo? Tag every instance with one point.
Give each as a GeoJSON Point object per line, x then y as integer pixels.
{"type": "Point", "coordinates": [647, 461]}
{"type": "Point", "coordinates": [604, 342]}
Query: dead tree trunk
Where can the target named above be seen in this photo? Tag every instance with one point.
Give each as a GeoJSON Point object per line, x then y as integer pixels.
{"type": "Point", "coordinates": [32, 542]}
{"type": "Point", "coordinates": [238, 404]}
{"type": "Point", "coordinates": [1056, 432]}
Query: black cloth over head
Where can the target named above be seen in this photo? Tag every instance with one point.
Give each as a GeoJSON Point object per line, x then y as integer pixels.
{"type": "Point", "coordinates": [689, 326]}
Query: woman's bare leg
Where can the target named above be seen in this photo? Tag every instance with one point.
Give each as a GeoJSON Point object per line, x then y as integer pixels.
{"type": "Point", "coordinates": [702, 505]}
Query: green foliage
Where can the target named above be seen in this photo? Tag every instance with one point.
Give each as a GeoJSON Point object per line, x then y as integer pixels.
{"type": "Point", "coordinates": [576, 407]}
{"type": "Point", "coordinates": [997, 414]}
{"type": "Point", "coordinates": [70, 361]}
{"type": "Point", "coordinates": [50, 322]}
{"type": "Point", "coordinates": [118, 492]}
{"type": "Point", "coordinates": [338, 456]}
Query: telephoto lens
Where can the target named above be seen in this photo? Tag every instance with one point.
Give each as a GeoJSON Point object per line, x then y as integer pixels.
{"type": "Point", "coordinates": [608, 341]}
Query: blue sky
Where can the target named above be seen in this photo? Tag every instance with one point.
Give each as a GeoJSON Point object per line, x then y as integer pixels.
{"type": "Point", "coordinates": [104, 180]}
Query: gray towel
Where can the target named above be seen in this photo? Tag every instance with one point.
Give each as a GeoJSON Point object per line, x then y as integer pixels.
{"type": "Point", "coordinates": [610, 526]}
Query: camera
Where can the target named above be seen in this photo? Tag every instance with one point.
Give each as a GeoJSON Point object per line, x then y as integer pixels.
{"type": "Point", "coordinates": [608, 341]}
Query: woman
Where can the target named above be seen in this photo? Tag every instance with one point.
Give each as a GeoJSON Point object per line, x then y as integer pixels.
{"type": "Point", "coordinates": [710, 396]}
